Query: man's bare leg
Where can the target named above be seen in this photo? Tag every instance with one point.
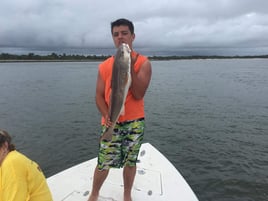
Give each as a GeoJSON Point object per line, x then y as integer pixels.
{"type": "Point", "coordinates": [99, 178]}
{"type": "Point", "coordinates": [129, 176]}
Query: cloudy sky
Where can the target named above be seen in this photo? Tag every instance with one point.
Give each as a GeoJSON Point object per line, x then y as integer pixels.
{"type": "Point", "coordinates": [158, 23]}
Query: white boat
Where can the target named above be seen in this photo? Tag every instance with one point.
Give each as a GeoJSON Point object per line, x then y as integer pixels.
{"type": "Point", "coordinates": [156, 180]}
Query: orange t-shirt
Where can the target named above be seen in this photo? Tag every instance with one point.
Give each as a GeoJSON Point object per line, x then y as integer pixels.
{"type": "Point", "coordinates": [134, 109]}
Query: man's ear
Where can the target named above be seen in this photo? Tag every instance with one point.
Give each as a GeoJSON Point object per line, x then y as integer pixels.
{"type": "Point", "coordinates": [133, 37]}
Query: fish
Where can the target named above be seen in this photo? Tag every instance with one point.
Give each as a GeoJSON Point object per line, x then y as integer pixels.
{"type": "Point", "coordinates": [120, 83]}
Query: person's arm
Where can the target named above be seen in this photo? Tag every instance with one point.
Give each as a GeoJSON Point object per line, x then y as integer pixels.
{"type": "Point", "coordinates": [141, 79]}
{"type": "Point", "coordinates": [13, 179]}
{"type": "Point", "coordinates": [100, 99]}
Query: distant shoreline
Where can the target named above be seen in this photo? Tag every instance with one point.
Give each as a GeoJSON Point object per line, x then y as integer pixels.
{"type": "Point", "coordinates": [31, 57]}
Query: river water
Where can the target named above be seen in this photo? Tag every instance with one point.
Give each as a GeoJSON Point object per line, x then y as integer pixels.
{"type": "Point", "coordinates": [208, 117]}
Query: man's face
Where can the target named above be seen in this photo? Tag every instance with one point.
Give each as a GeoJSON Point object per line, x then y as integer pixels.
{"type": "Point", "coordinates": [121, 34]}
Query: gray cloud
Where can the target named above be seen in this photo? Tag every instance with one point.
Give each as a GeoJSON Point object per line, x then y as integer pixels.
{"type": "Point", "coordinates": [173, 23]}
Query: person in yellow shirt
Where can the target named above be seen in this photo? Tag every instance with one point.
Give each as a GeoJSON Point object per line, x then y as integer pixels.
{"type": "Point", "coordinates": [21, 179]}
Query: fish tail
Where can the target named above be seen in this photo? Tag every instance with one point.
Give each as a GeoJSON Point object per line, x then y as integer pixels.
{"type": "Point", "coordinates": [107, 135]}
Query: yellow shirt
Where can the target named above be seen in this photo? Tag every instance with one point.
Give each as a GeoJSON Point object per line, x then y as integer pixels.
{"type": "Point", "coordinates": [22, 180]}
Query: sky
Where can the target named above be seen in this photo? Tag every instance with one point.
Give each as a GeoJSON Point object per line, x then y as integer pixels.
{"type": "Point", "coordinates": [239, 24]}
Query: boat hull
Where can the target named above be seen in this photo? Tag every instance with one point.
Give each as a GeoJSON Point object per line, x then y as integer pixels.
{"type": "Point", "coordinates": [156, 179]}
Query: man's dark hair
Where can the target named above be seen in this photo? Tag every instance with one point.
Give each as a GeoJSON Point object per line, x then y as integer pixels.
{"type": "Point", "coordinates": [123, 22]}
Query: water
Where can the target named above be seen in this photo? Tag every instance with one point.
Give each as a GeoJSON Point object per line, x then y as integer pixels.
{"type": "Point", "coordinates": [208, 117]}
{"type": "Point", "coordinates": [149, 51]}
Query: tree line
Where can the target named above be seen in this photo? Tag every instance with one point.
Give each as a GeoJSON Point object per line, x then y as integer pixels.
{"type": "Point", "coordinates": [50, 57]}
{"type": "Point", "coordinates": [64, 57]}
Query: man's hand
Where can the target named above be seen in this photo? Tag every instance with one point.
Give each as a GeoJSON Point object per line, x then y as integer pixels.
{"type": "Point", "coordinates": [108, 122]}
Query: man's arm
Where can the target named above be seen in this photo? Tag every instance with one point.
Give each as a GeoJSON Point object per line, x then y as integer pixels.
{"type": "Point", "coordinates": [100, 99]}
{"type": "Point", "coordinates": [141, 79]}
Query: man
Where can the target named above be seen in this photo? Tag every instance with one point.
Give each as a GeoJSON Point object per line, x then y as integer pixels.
{"type": "Point", "coordinates": [129, 129]}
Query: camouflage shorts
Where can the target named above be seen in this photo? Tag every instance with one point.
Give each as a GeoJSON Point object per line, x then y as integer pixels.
{"type": "Point", "coordinates": [124, 147]}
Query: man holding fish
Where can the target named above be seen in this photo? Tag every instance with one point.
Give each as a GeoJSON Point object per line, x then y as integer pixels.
{"type": "Point", "coordinates": [121, 85]}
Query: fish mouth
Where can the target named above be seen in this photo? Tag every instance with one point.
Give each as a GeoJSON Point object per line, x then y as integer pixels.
{"type": "Point", "coordinates": [121, 42]}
